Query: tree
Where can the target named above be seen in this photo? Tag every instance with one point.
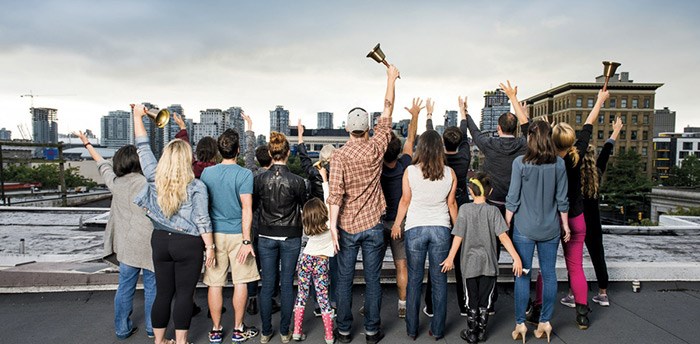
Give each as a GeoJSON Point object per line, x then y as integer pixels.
{"type": "Point", "coordinates": [47, 175]}
{"type": "Point", "coordinates": [686, 175]}
{"type": "Point", "coordinates": [625, 182]}
{"type": "Point", "coordinates": [475, 162]}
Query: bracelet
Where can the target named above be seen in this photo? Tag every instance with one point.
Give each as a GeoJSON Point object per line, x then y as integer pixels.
{"type": "Point", "coordinates": [87, 144]}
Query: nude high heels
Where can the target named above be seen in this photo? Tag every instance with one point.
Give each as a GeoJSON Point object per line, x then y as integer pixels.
{"type": "Point", "coordinates": [519, 332]}
{"type": "Point", "coordinates": [542, 329]}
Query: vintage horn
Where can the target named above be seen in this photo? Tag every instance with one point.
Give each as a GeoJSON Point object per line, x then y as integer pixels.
{"type": "Point", "coordinates": [609, 69]}
{"type": "Point", "coordinates": [159, 117]}
{"type": "Point", "coordinates": [378, 55]}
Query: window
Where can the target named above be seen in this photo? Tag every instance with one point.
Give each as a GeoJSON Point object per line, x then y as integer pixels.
{"type": "Point", "coordinates": [646, 119]}
{"type": "Point", "coordinates": [687, 146]}
{"type": "Point", "coordinates": [601, 119]}
{"type": "Point", "coordinates": [634, 119]}
{"type": "Point", "coordinates": [644, 151]}
{"type": "Point", "coordinates": [578, 118]}
{"type": "Point", "coordinates": [623, 103]}
{"type": "Point", "coordinates": [612, 118]}
{"type": "Point", "coordinates": [645, 135]}
{"type": "Point", "coordinates": [318, 147]}
{"type": "Point", "coordinates": [647, 103]}
{"type": "Point", "coordinates": [613, 102]}
{"type": "Point", "coordinates": [600, 134]}
{"type": "Point", "coordinates": [590, 102]}
{"type": "Point", "coordinates": [633, 149]}
{"type": "Point", "coordinates": [622, 149]}
{"type": "Point", "coordinates": [698, 145]}
{"type": "Point", "coordinates": [635, 103]}
{"type": "Point", "coordinates": [579, 102]}
{"type": "Point", "coordinates": [633, 135]}
{"type": "Point", "coordinates": [623, 134]}
{"type": "Point", "coordinates": [682, 155]}
{"type": "Point", "coordinates": [624, 119]}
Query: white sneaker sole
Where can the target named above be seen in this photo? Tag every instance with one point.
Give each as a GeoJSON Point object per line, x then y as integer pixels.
{"type": "Point", "coordinates": [602, 303]}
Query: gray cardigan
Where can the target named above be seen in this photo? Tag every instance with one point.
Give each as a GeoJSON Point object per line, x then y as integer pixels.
{"type": "Point", "coordinates": [128, 231]}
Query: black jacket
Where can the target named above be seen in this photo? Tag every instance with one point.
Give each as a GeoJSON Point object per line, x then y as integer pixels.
{"type": "Point", "coordinates": [315, 179]}
{"type": "Point", "coordinates": [280, 195]}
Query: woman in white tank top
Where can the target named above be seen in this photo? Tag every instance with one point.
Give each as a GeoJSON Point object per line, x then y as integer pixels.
{"type": "Point", "coordinates": [430, 207]}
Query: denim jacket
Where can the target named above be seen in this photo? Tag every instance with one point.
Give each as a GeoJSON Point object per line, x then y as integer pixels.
{"type": "Point", "coordinates": [193, 216]}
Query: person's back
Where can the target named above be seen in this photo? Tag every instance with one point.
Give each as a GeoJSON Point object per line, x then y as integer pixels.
{"type": "Point", "coordinates": [428, 205]}
{"type": "Point", "coordinates": [224, 183]}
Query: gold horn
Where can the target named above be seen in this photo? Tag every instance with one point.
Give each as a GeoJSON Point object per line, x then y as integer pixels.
{"type": "Point", "coordinates": [378, 55]}
{"type": "Point", "coordinates": [159, 117]}
{"type": "Point", "coordinates": [609, 69]}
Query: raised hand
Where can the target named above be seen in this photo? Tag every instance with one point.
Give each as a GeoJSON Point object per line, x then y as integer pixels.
{"type": "Point", "coordinates": [617, 126]}
{"type": "Point", "coordinates": [523, 105]}
{"type": "Point", "coordinates": [248, 121]}
{"type": "Point", "coordinates": [509, 90]}
{"type": "Point", "coordinates": [179, 121]}
{"type": "Point", "coordinates": [139, 110]}
{"type": "Point", "coordinates": [463, 106]}
{"type": "Point", "coordinates": [393, 73]}
{"type": "Point", "coordinates": [416, 107]}
{"type": "Point", "coordinates": [603, 96]}
{"type": "Point", "coordinates": [429, 105]}
{"type": "Point", "coordinates": [81, 136]}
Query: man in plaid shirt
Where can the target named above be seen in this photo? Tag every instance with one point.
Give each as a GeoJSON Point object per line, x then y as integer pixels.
{"type": "Point", "coordinates": [357, 202]}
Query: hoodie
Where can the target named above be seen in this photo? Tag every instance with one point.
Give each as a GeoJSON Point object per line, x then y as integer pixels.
{"type": "Point", "coordinates": [499, 153]}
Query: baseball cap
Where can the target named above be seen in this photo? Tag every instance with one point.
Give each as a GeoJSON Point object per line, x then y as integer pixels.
{"type": "Point", "coordinates": [358, 120]}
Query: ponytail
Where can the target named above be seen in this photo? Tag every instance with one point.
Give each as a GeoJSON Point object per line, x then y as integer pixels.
{"type": "Point", "coordinates": [590, 181]}
{"type": "Point", "coordinates": [573, 154]}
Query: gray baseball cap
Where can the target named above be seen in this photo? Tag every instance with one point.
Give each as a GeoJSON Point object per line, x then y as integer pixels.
{"type": "Point", "coordinates": [358, 120]}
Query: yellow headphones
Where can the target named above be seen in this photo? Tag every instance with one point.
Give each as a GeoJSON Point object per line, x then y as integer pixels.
{"type": "Point", "coordinates": [477, 183]}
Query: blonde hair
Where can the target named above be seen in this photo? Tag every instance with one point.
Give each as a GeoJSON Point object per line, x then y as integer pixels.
{"type": "Point", "coordinates": [314, 217]}
{"type": "Point", "coordinates": [589, 174]}
{"type": "Point", "coordinates": [563, 137]}
{"type": "Point", "coordinates": [173, 174]}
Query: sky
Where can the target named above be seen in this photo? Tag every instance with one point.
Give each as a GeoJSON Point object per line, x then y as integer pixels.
{"type": "Point", "coordinates": [87, 58]}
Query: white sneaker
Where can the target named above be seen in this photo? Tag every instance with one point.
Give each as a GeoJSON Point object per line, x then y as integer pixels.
{"type": "Point", "coordinates": [602, 299]}
{"type": "Point", "coordinates": [425, 310]}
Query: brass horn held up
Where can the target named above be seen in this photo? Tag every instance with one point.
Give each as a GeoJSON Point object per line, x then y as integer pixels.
{"type": "Point", "coordinates": [378, 55]}
{"type": "Point", "coordinates": [609, 69]}
{"type": "Point", "coordinates": [159, 117]}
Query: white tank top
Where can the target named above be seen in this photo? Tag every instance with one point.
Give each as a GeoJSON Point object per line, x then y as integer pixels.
{"type": "Point", "coordinates": [428, 199]}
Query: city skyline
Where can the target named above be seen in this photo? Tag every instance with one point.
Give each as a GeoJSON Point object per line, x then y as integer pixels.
{"type": "Point", "coordinates": [313, 59]}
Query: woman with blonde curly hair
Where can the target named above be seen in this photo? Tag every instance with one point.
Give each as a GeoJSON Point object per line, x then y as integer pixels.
{"type": "Point", "coordinates": [177, 205]}
{"type": "Point", "coordinates": [572, 148]}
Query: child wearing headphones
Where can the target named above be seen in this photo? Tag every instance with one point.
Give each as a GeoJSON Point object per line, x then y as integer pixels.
{"type": "Point", "coordinates": [478, 225]}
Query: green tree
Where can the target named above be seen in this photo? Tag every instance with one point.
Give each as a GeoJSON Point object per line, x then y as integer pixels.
{"type": "Point", "coordinates": [47, 175]}
{"type": "Point", "coordinates": [686, 175]}
{"type": "Point", "coordinates": [475, 162]}
{"type": "Point", "coordinates": [625, 182]}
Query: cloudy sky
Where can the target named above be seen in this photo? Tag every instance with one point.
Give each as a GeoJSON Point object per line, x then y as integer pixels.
{"type": "Point", "coordinates": [91, 57]}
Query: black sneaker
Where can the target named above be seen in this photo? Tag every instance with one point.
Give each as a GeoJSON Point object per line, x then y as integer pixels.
{"type": "Point", "coordinates": [252, 307]}
{"type": "Point", "coordinates": [343, 338]}
{"type": "Point", "coordinates": [375, 338]}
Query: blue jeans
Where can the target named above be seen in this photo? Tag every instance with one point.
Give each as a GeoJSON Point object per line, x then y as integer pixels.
{"type": "Point", "coordinates": [547, 254]}
{"type": "Point", "coordinates": [371, 242]}
{"type": "Point", "coordinates": [435, 242]}
{"type": "Point", "coordinates": [276, 254]}
{"type": "Point", "coordinates": [123, 299]}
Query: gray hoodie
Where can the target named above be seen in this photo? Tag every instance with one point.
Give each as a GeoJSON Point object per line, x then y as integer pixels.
{"type": "Point", "coordinates": [500, 153]}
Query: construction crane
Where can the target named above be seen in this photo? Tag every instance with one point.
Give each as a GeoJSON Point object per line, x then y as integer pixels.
{"type": "Point", "coordinates": [24, 132]}
{"type": "Point", "coordinates": [32, 95]}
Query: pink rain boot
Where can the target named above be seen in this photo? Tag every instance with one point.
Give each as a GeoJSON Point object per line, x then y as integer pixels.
{"type": "Point", "coordinates": [328, 327]}
{"type": "Point", "coordinates": [298, 319]}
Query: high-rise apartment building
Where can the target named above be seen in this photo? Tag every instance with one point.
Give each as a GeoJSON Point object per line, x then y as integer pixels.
{"type": "Point", "coordinates": [279, 120]}
{"type": "Point", "coordinates": [664, 121]}
{"type": "Point", "coordinates": [5, 135]}
{"type": "Point", "coordinates": [44, 125]}
{"type": "Point", "coordinates": [234, 120]}
{"type": "Point", "coordinates": [671, 149]}
{"type": "Point", "coordinates": [633, 102]}
{"type": "Point", "coordinates": [261, 141]}
{"type": "Point", "coordinates": [115, 128]}
{"type": "Point", "coordinates": [171, 129]}
{"type": "Point", "coordinates": [211, 123]}
{"type": "Point", "coordinates": [495, 104]}
{"type": "Point", "coordinates": [325, 120]}
{"type": "Point", "coordinates": [451, 118]}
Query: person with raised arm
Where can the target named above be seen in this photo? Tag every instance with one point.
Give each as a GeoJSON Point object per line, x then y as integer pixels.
{"type": "Point", "coordinates": [206, 153]}
{"type": "Point", "coordinates": [592, 173]}
{"type": "Point", "coordinates": [177, 205]}
{"type": "Point", "coordinates": [313, 174]}
{"type": "Point", "coordinates": [356, 205]}
{"type": "Point", "coordinates": [458, 157]}
{"type": "Point", "coordinates": [127, 235]}
{"type": "Point", "coordinates": [391, 181]}
{"type": "Point", "coordinates": [571, 147]}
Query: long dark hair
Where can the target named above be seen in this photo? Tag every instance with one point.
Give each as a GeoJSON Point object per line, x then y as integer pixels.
{"type": "Point", "coordinates": [430, 154]}
{"type": "Point", "coordinates": [125, 161]}
{"type": "Point", "coordinates": [540, 148]}
{"type": "Point", "coordinates": [207, 149]}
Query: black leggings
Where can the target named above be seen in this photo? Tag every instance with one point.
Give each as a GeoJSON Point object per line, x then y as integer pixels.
{"type": "Point", "coordinates": [594, 241]}
{"type": "Point", "coordinates": [480, 291]}
{"type": "Point", "coordinates": [177, 259]}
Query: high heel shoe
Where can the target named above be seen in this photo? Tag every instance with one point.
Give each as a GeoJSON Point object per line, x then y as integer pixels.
{"type": "Point", "coordinates": [542, 329]}
{"type": "Point", "coordinates": [519, 332]}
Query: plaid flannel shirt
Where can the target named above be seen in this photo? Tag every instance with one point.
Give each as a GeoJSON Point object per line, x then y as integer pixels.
{"type": "Point", "coordinates": [354, 182]}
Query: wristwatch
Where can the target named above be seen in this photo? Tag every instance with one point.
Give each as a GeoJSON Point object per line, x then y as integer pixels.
{"type": "Point", "coordinates": [247, 242]}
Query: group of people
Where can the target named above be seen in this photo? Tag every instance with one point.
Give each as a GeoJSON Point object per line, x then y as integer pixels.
{"type": "Point", "coordinates": [261, 222]}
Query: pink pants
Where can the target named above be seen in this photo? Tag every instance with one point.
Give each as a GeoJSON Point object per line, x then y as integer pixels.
{"type": "Point", "coordinates": [573, 254]}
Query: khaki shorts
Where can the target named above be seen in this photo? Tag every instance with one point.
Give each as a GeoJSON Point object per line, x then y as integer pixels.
{"type": "Point", "coordinates": [398, 247]}
{"type": "Point", "coordinates": [227, 246]}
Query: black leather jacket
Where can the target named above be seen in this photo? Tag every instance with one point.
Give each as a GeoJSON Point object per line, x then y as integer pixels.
{"type": "Point", "coordinates": [315, 179]}
{"type": "Point", "coordinates": [280, 196]}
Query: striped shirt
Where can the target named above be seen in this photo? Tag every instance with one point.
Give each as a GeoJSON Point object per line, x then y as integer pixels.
{"type": "Point", "coordinates": [356, 169]}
